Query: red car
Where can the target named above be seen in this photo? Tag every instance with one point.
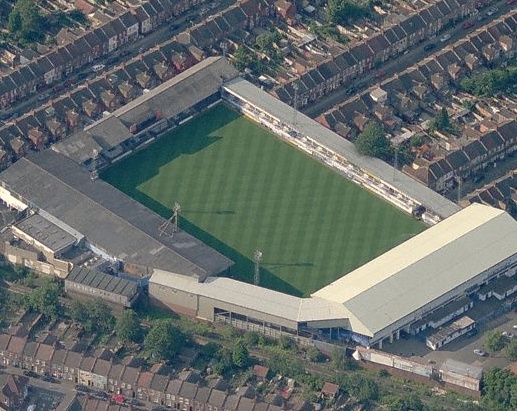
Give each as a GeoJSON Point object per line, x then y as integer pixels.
{"type": "Point", "coordinates": [468, 24]}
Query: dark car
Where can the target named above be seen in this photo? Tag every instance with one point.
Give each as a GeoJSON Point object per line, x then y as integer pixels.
{"type": "Point", "coordinates": [49, 378]}
{"type": "Point", "coordinates": [429, 47]}
{"type": "Point", "coordinates": [468, 24]}
{"type": "Point", "coordinates": [30, 374]}
{"type": "Point", "coordinates": [82, 388]}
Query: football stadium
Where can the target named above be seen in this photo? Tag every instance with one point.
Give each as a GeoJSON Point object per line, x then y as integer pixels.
{"type": "Point", "coordinates": [192, 210]}
{"type": "Point", "coordinates": [241, 189]}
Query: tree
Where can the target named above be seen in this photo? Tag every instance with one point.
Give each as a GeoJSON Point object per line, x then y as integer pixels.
{"type": "Point", "coordinates": [25, 21]}
{"type": "Point", "coordinates": [373, 142]}
{"type": "Point", "coordinates": [45, 299]}
{"type": "Point", "coordinates": [511, 350]}
{"type": "Point", "coordinates": [223, 361]}
{"type": "Point", "coordinates": [78, 312]}
{"type": "Point", "coordinates": [496, 341]}
{"type": "Point", "coordinates": [314, 355]}
{"type": "Point", "coordinates": [95, 316]}
{"type": "Point", "coordinates": [240, 354]}
{"type": "Point", "coordinates": [499, 389]}
{"type": "Point", "coordinates": [128, 327]}
{"type": "Point", "coordinates": [442, 121]}
{"type": "Point", "coordinates": [242, 58]}
{"type": "Point", "coordinates": [345, 11]}
{"type": "Point", "coordinates": [164, 340]}
{"type": "Point", "coordinates": [363, 388]}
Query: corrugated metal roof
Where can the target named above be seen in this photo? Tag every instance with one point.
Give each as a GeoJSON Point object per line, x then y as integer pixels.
{"type": "Point", "coordinates": [425, 267]}
{"type": "Point", "coordinates": [263, 300]}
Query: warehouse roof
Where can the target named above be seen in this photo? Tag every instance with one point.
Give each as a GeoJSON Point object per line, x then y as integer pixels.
{"type": "Point", "coordinates": [249, 296]}
{"type": "Point", "coordinates": [338, 144]}
{"type": "Point", "coordinates": [46, 232]}
{"type": "Point", "coordinates": [422, 269]}
{"type": "Point", "coordinates": [102, 281]}
{"type": "Point", "coordinates": [109, 219]}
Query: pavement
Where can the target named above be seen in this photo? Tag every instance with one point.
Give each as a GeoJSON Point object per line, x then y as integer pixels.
{"type": "Point", "coordinates": [461, 349]}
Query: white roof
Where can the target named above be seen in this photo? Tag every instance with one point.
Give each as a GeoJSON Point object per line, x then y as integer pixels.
{"type": "Point", "coordinates": [253, 297]}
{"type": "Point", "coordinates": [422, 269]}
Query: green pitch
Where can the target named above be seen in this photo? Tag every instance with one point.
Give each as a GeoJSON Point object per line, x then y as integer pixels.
{"type": "Point", "coordinates": [242, 189]}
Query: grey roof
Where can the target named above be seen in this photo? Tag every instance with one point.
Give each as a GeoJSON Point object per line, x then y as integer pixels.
{"type": "Point", "coordinates": [181, 92]}
{"type": "Point", "coordinates": [460, 368]}
{"type": "Point", "coordinates": [308, 127]}
{"type": "Point", "coordinates": [109, 219]}
{"type": "Point", "coordinates": [46, 232]}
{"type": "Point", "coordinates": [102, 281]}
{"type": "Point", "coordinates": [170, 99]}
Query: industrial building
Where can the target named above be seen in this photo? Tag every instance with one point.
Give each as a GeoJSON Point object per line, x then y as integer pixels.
{"type": "Point", "coordinates": [96, 284]}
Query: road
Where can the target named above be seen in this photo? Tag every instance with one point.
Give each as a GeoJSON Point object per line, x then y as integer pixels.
{"type": "Point", "coordinates": [400, 63]}
{"type": "Point", "coordinates": [125, 52]}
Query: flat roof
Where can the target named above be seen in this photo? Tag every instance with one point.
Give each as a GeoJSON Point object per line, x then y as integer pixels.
{"type": "Point", "coordinates": [110, 220]}
{"type": "Point", "coordinates": [311, 128]}
{"type": "Point", "coordinates": [99, 280]}
{"type": "Point", "coordinates": [46, 232]}
{"type": "Point", "coordinates": [417, 272]}
{"type": "Point", "coordinates": [461, 368]}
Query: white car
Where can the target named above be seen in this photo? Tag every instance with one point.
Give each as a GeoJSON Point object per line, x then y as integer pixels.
{"type": "Point", "coordinates": [98, 67]}
{"type": "Point", "coordinates": [445, 37]}
{"type": "Point", "coordinates": [515, 326]}
{"type": "Point", "coordinates": [479, 352]}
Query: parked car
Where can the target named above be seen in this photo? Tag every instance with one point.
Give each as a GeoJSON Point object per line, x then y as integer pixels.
{"type": "Point", "coordinates": [445, 37]}
{"type": "Point", "coordinates": [493, 10]}
{"type": "Point", "coordinates": [49, 378]}
{"type": "Point", "coordinates": [479, 352]}
{"type": "Point", "coordinates": [508, 2]}
{"type": "Point", "coordinates": [429, 47]}
{"type": "Point", "coordinates": [468, 24]}
{"type": "Point", "coordinates": [82, 388]}
{"type": "Point", "coordinates": [98, 67]}
{"type": "Point", "coordinates": [30, 374]}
